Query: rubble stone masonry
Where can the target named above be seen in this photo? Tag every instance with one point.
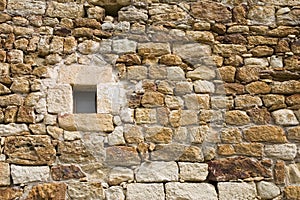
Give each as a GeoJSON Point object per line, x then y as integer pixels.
{"type": "Point", "coordinates": [194, 99]}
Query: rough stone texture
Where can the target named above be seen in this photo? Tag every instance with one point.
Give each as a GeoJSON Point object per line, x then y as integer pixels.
{"type": "Point", "coordinates": [10, 193]}
{"type": "Point", "coordinates": [192, 191]}
{"type": "Point", "coordinates": [157, 172]}
{"type": "Point", "coordinates": [13, 129]}
{"type": "Point", "coordinates": [285, 117]}
{"type": "Point", "coordinates": [231, 169]}
{"type": "Point", "coordinates": [281, 151]}
{"type": "Point", "coordinates": [119, 175]}
{"type": "Point", "coordinates": [85, 191]}
{"type": "Point", "coordinates": [29, 150]}
{"type": "Point", "coordinates": [71, 10]}
{"type": "Point", "coordinates": [4, 174]}
{"type": "Point", "coordinates": [59, 99]}
{"type": "Point", "coordinates": [236, 117]}
{"type": "Point", "coordinates": [23, 174]}
{"type": "Point", "coordinates": [267, 190]}
{"type": "Point", "coordinates": [293, 173]}
{"type": "Point", "coordinates": [114, 192]}
{"type": "Point", "coordinates": [65, 172]}
{"type": "Point", "coordinates": [140, 191]}
{"type": "Point", "coordinates": [47, 191]}
{"type": "Point", "coordinates": [292, 192]}
{"type": "Point", "coordinates": [27, 7]}
{"type": "Point", "coordinates": [122, 156]}
{"type": "Point", "coordinates": [267, 133]}
{"type": "Point", "coordinates": [193, 171]}
{"type": "Point", "coordinates": [237, 191]}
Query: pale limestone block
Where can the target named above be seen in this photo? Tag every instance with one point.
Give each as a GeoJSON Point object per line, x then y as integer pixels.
{"type": "Point", "coordinates": [4, 174]}
{"type": "Point", "coordinates": [204, 87]}
{"type": "Point", "coordinates": [281, 151]}
{"type": "Point", "coordinates": [27, 174]}
{"type": "Point", "coordinates": [263, 62]}
{"type": "Point", "coordinates": [267, 190]}
{"type": "Point", "coordinates": [191, 191]}
{"type": "Point", "coordinates": [285, 117]}
{"type": "Point", "coordinates": [13, 129]}
{"type": "Point", "coordinates": [65, 10]}
{"type": "Point", "coordinates": [237, 191]}
{"type": "Point", "coordinates": [192, 52]}
{"type": "Point", "coordinates": [85, 75]}
{"type": "Point", "coordinates": [116, 137]}
{"type": "Point", "coordinates": [140, 191]}
{"type": "Point", "coordinates": [193, 171]}
{"type": "Point", "coordinates": [196, 101]}
{"type": "Point", "coordinates": [60, 99]}
{"type": "Point", "coordinates": [175, 74]}
{"type": "Point", "coordinates": [114, 193]}
{"type": "Point", "coordinates": [72, 135]}
{"type": "Point", "coordinates": [118, 175]}
{"type": "Point", "coordinates": [26, 7]}
{"type": "Point", "coordinates": [157, 172]}
{"type": "Point", "coordinates": [123, 46]}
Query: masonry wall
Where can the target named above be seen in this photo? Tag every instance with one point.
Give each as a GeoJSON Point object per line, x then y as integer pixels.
{"type": "Point", "coordinates": [195, 99]}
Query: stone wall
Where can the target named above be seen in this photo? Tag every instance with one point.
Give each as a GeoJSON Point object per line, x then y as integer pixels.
{"type": "Point", "coordinates": [195, 99]}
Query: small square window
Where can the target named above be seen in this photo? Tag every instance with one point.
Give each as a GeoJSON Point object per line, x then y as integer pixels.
{"type": "Point", "coordinates": [84, 99]}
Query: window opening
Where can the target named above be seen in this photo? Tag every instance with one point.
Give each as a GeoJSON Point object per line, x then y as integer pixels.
{"type": "Point", "coordinates": [84, 99]}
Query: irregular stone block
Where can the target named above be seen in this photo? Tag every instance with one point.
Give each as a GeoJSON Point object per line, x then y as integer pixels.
{"type": "Point", "coordinates": [114, 192]}
{"type": "Point", "coordinates": [122, 156]}
{"type": "Point", "coordinates": [289, 19]}
{"type": "Point", "coordinates": [118, 175]}
{"type": "Point", "coordinates": [230, 169]}
{"type": "Point", "coordinates": [132, 14]}
{"type": "Point", "coordinates": [140, 191]}
{"type": "Point", "coordinates": [10, 193]}
{"type": "Point", "coordinates": [267, 190]}
{"type": "Point", "coordinates": [65, 172]}
{"type": "Point", "coordinates": [60, 99]}
{"type": "Point", "coordinates": [158, 135]}
{"type": "Point", "coordinates": [237, 117]}
{"type": "Point", "coordinates": [286, 87]}
{"type": "Point", "coordinates": [237, 191]}
{"type": "Point", "coordinates": [155, 49]}
{"type": "Point", "coordinates": [202, 73]}
{"type": "Point", "coordinates": [262, 15]}
{"type": "Point", "coordinates": [211, 11]}
{"type": "Point", "coordinates": [24, 174]}
{"type": "Point", "coordinates": [193, 171]}
{"type": "Point", "coordinates": [204, 87]}
{"type": "Point", "coordinates": [294, 133]}
{"type": "Point", "coordinates": [29, 150]}
{"type": "Point", "coordinates": [85, 191]}
{"type": "Point", "coordinates": [48, 191]}
{"type": "Point", "coordinates": [65, 10]}
{"type": "Point", "coordinates": [196, 101]}
{"type": "Point", "coordinates": [152, 99]}
{"type": "Point", "coordinates": [191, 191]}
{"type": "Point", "coordinates": [285, 117]}
{"type": "Point", "coordinates": [227, 50]}
{"type": "Point", "coordinates": [265, 133]}
{"type": "Point", "coordinates": [192, 52]}
{"type": "Point", "coordinates": [13, 129]}
{"type": "Point", "coordinates": [292, 192]}
{"type": "Point", "coordinates": [4, 174]}
{"type": "Point", "coordinates": [26, 7]}
{"type": "Point", "coordinates": [281, 151]}
{"type": "Point", "coordinates": [282, 2]}
{"type": "Point", "coordinates": [86, 122]}
{"type": "Point", "coordinates": [145, 116]}
{"type": "Point", "coordinates": [157, 172]}
{"type": "Point", "coordinates": [123, 46]}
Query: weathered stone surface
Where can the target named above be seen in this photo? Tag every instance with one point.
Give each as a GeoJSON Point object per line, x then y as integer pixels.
{"type": "Point", "coordinates": [249, 73]}
{"type": "Point", "coordinates": [230, 169]}
{"type": "Point", "coordinates": [86, 122]}
{"type": "Point", "coordinates": [141, 191]}
{"type": "Point", "coordinates": [228, 50]}
{"type": "Point", "coordinates": [281, 151]}
{"type": "Point", "coordinates": [4, 174]}
{"type": "Point", "coordinates": [132, 14]}
{"type": "Point", "coordinates": [227, 73]}
{"type": "Point", "coordinates": [193, 171]}
{"type": "Point", "coordinates": [260, 115]}
{"type": "Point", "coordinates": [29, 150]}
{"type": "Point", "coordinates": [13, 129]}
{"type": "Point", "coordinates": [286, 87]}
{"type": "Point", "coordinates": [292, 192]}
{"type": "Point", "coordinates": [152, 99]}
{"type": "Point", "coordinates": [192, 52]}
{"type": "Point", "coordinates": [211, 11]}
{"type": "Point", "coordinates": [231, 135]}
{"type": "Point", "coordinates": [68, 10]}
{"type": "Point", "coordinates": [267, 190]}
{"type": "Point", "coordinates": [24, 174]}
{"type": "Point", "coordinates": [154, 49]}
{"type": "Point", "coordinates": [237, 117]}
{"type": "Point", "coordinates": [202, 72]}
{"type": "Point", "coordinates": [145, 116]}
{"type": "Point", "coordinates": [265, 133]}
{"type": "Point", "coordinates": [204, 87]}
{"type": "Point", "coordinates": [26, 7]}
{"type": "Point", "coordinates": [237, 191]}
{"type": "Point", "coordinates": [59, 99]}
{"type": "Point", "coordinates": [294, 133]}
{"type": "Point", "coordinates": [279, 172]}
{"type": "Point", "coordinates": [122, 156]}
{"type": "Point", "coordinates": [133, 134]}
{"type": "Point", "coordinates": [258, 87]}
{"type": "Point", "coordinates": [192, 191]}
{"type": "Point", "coordinates": [293, 172]}
{"type": "Point", "coordinates": [10, 193]}
{"type": "Point", "coordinates": [137, 72]}
{"type": "Point", "coordinates": [114, 192]}
{"type": "Point", "coordinates": [85, 191]}
{"type": "Point", "coordinates": [247, 101]}
{"type": "Point", "coordinates": [262, 15]}
{"type": "Point", "coordinates": [248, 149]}
{"type": "Point", "coordinates": [48, 191]}
{"type": "Point", "coordinates": [289, 18]}
{"type": "Point", "coordinates": [285, 117]}
{"type": "Point", "coordinates": [124, 46]}
{"type": "Point", "coordinates": [157, 172]}
{"type": "Point", "coordinates": [65, 172]}
{"type": "Point", "coordinates": [118, 175]}
{"type": "Point", "coordinates": [158, 135]}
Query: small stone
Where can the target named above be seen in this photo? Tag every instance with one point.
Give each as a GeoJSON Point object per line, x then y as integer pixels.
{"type": "Point", "coordinates": [157, 172]}
{"type": "Point", "coordinates": [242, 190]}
{"type": "Point", "coordinates": [141, 191]}
{"type": "Point", "coordinates": [285, 117]}
{"type": "Point", "coordinates": [66, 172]}
{"type": "Point", "coordinates": [193, 171]}
{"type": "Point", "coordinates": [281, 151]}
{"type": "Point", "coordinates": [237, 117]}
{"type": "Point", "coordinates": [24, 174]}
{"type": "Point", "coordinates": [4, 174]}
{"type": "Point", "coordinates": [114, 192]}
{"type": "Point", "coordinates": [191, 191]}
{"type": "Point", "coordinates": [119, 175]}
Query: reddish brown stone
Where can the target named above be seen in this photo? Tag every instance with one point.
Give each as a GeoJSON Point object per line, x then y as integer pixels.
{"type": "Point", "coordinates": [260, 115]}
{"type": "Point", "coordinates": [279, 172]}
{"type": "Point", "coordinates": [209, 10]}
{"type": "Point", "coordinates": [65, 172]}
{"type": "Point", "coordinates": [235, 39]}
{"type": "Point", "coordinates": [10, 193]}
{"type": "Point", "coordinates": [50, 191]}
{"type": "Point", "coordinates": [232, 169]}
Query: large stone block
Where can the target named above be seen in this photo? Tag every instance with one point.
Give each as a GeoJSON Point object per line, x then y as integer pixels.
{"type": "Point", "coordinates": [236, 191]}
{"type": "Point", "coordinates": [29, 150]}
{"type": "Point", "coordinates": [265, 133]}
{"type": "Point", "coordinates": [68, 10]}
{"type": "Point", "coordinates": [285, 117]}
{"type": "Point", "coordinates": [191, 191]}
{"type": "Point", "coordinates": [192, 52]}
{"type": "Point", "coordinates": [286, 87]}
{"type": "Point", "coordinates": [140, 191]}
{"type": "Point", "coordinates": [281, 151]}
{"type": "Point", "coordinates": [13, 129]}
{"type": "Point", "coordinates": [60, 100]}
{"type": "Point", "coordinates": [48, 191]}
{"type": "Point", "coordinates": [86, 122]}
{"type": "Point", "coordinates": [26, 7]}
{"type": "Point", "coordinates": [25, 174]}
{"type": "Point", "coordinates": [228, 50]}
{"type": "Point", "coordinates": [157, 172]}
{"type": "Point", "coordinates": [262, 15]}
